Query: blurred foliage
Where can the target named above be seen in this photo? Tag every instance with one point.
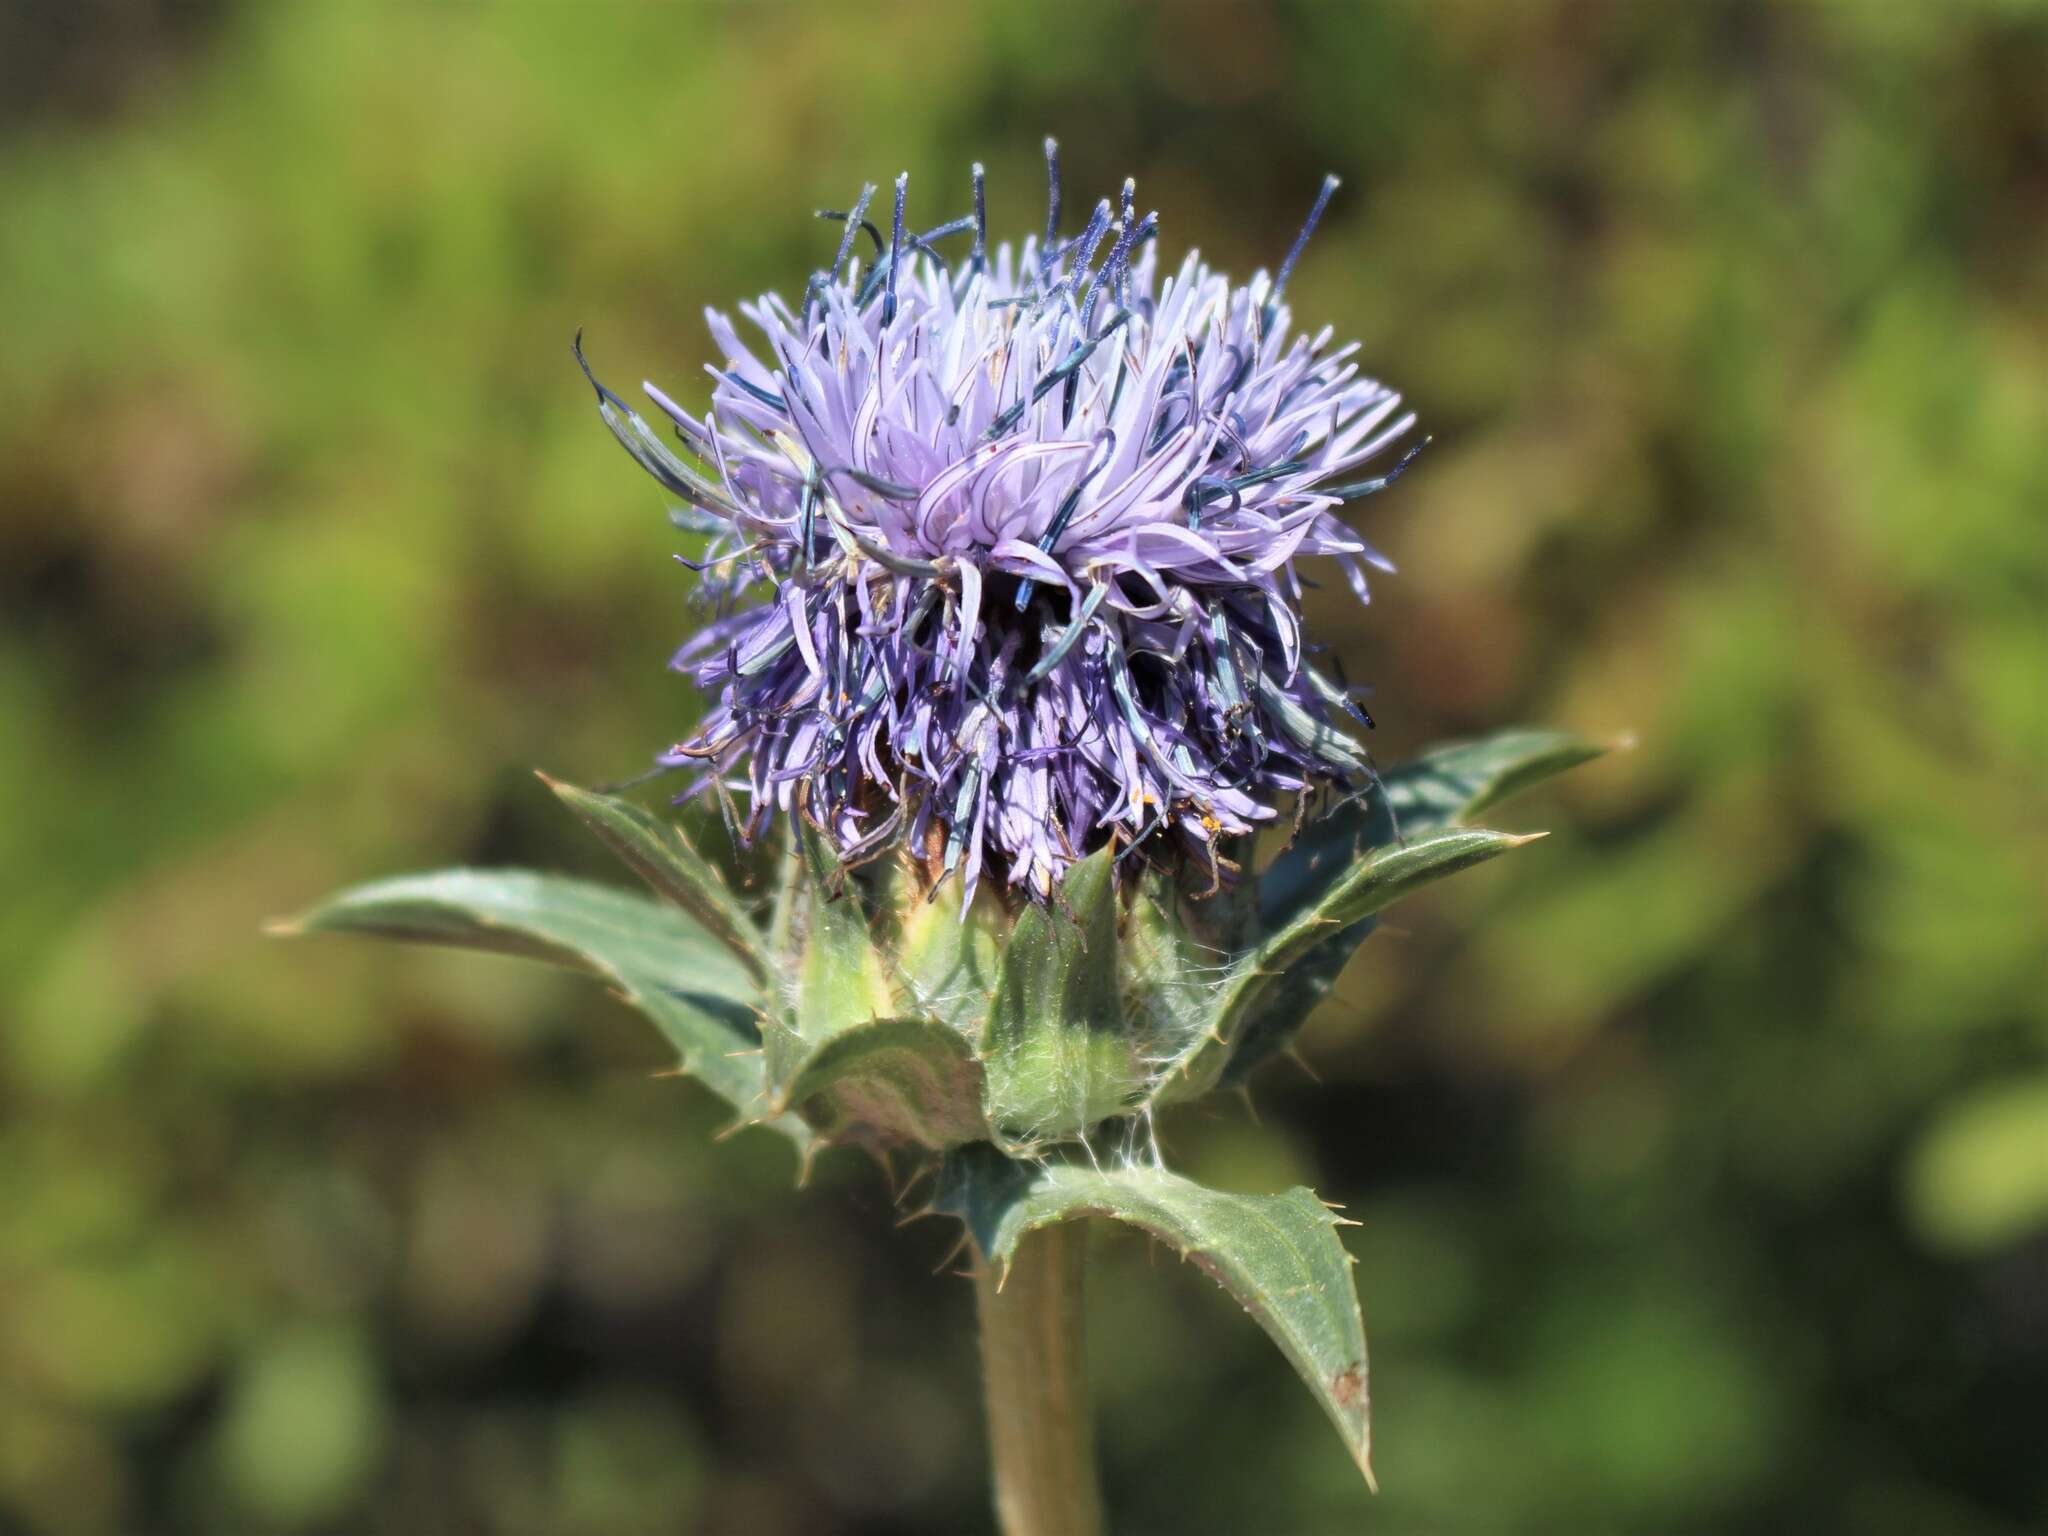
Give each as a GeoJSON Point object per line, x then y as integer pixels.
{"type": "Point", "coordinates": [1702, 1155]}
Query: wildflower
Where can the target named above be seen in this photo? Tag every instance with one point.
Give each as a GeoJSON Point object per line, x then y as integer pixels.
{"type": "Point", "coordinates": [1003, 549]}
{"type": "Point", "coordinates": [1003, 573]}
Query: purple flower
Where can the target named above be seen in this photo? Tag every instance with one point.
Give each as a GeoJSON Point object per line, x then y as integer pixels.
{"type": "Point", "coordinates": [1003, 554]}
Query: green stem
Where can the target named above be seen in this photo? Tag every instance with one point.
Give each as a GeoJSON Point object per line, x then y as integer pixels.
{"type": "Point", "coordinates": [1041, 1436]}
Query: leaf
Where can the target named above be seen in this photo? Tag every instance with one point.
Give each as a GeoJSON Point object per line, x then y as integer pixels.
{"type": "Point", "coordinates": [1450, 784]}
{"type": "Point", "coordinates": [660, 959]}
{"type": "Point", "coordinates": [891, 1082]}
{"type": "Point", "coordinates": [660, 854]}
{"type": "Point", "coordinates": [1363, 889]}
{"type": "Point", "coordinates": [1278, 1015]}
{"type": "Point", "coordinates": [1445, 787]}
{"type": "Point", "coordinates": [1360, 889]}
{"type": "Point", "coordinates": [1279, 1255]}
{"type": "Point", "coordinates": [1058, 1055]}
{"type": "Point", "coordinates": [840, 978]}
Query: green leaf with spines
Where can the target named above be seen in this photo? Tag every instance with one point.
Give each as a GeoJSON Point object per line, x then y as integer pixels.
{"type": "Point", "coordinates": [657, 851]}
{"type": "Point", "coordinates": [1446, 786]}
{"type": "Point", "coordinates": [1450, 784]}
{"type": "Point", "coordinates": [1279, 1255]}
{"type": "Point", "coordinates": [1370, 884]}
{"type": "Point", "coordinates": [891, 1082]}
{"type": "Point", "coordinates": [1363, 888]}
{"type": "Point", "coordinates": [659, 959]}
{"type": "Point", "coordinates": [1058, 1055]}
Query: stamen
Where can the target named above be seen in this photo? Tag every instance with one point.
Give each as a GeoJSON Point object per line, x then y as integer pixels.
{"type": "Point", "coordinates": [700, 566]}
{"type": "Point", "coordinates": [978, 257]}
{"type": "Point", "coordinates": [1051, 536]}
{"type": "Point", "coordinates": [888, 490]}
{"type": "Point", "coordinates": [1148, 227]}
{"type": "Point", "coordinates": [762, 659]}
{"type": "Point", "coordinates": [1304, 729]}
{"type": "Point", "coordinates": [1204, 492]}
{"type": "Point", "coordinates": [1244, 358]}
{"type": "Point", "coordinates": [1085, 243]}
{"type": "Point", "coordinates": [958, 226]}
{"type": "Point", "coordinates": [807, 512]}
{"type": "Point", "coordinates": [970, 784]}
{"type": "Point", "coordinates": [871, 284]}
{"type": "Point", "coordinates": [895, 247]}
{"type": "Point", "coordinates": [855, 218]}
{"type": "Point", "coordinates": [1261, 476]}
{"type": "Point", "coordinates": [1368, 487]}
{"type": "Point", "coordinates": [1068, 636]}
{"type": "Point", "coordinates": [889, 560]}
{"type": "Point", "coordinates": [766, 397]}
{"type": "Point", "coordinates": [1122, 689]}
{"type": "Point", "coordinates": [1272, 307]}
{"type": "Point", "coordinates": [1082, 351]}
{"type": "Point", "coordinates": [1226, 668]}
{"type": "Point", "coordinates": [1346, 696]}
{"type": "Point", "coordinates": [1112, 275]}
{"type": "Point", "coordinates": [867, 226]}
{"type": "Point", "coordinates": [691, 520]}
{"type": "Point", "coordinates": [1048, 253]}
{"type": "Point", "coordinates": [1006, 419]}
{"type": "Point", "coordinates": [647, 448]}
{"type": "Point", "coordinates": [1097, 462]}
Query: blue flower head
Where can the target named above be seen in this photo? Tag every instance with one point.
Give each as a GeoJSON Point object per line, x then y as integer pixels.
{"type": "Point", "coordinates": [1003, 549]}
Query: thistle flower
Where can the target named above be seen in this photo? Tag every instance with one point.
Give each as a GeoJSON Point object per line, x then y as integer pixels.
{"type": "Point", "coordinates": [1004, 551]}
{"type": "Point", "coordinates": [1003, 568]}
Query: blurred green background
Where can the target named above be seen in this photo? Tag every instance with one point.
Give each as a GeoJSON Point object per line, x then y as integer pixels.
{"type": "Point", "coordinates": [1702, 1153]}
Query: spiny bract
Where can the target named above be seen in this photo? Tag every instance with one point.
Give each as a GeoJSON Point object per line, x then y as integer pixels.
{"type": "Point", "coordinates": [1003, 552]}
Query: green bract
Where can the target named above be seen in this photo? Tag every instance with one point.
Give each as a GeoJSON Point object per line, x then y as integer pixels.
{"type": "Point", "coordinates": [1019, 1050]}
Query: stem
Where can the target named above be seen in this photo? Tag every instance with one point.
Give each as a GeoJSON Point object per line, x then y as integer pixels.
{"type": "Point", "coordinates": [1041, 1437]}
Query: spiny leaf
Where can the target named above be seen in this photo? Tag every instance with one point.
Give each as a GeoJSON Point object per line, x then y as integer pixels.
{"type": "Point", "coordinates": [1379, 881]}
{"type": "Point", "coordinates": [1279, 1013]}
{"type": "Point", "coordinates": [1279, 1255]}
{"type": "Point", "coordinates": [1450, 784]}
{"type": "Point", "coordinates": [658, 853]}
{"type": "Point", "coordinates": [892, 1082]}
{"type": "Point", "coordinates": [1057, 1053]}
{"type": "Point", "coordinates": [659, 959]}
{"type": "Point", "coordinates": [1445, 787]}
{"type": "Point", "coordinates": [1363, 888]}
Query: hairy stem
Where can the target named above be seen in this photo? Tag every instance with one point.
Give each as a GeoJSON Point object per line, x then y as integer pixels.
{"type": "Point", "coordinates": [1041, 1436]}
